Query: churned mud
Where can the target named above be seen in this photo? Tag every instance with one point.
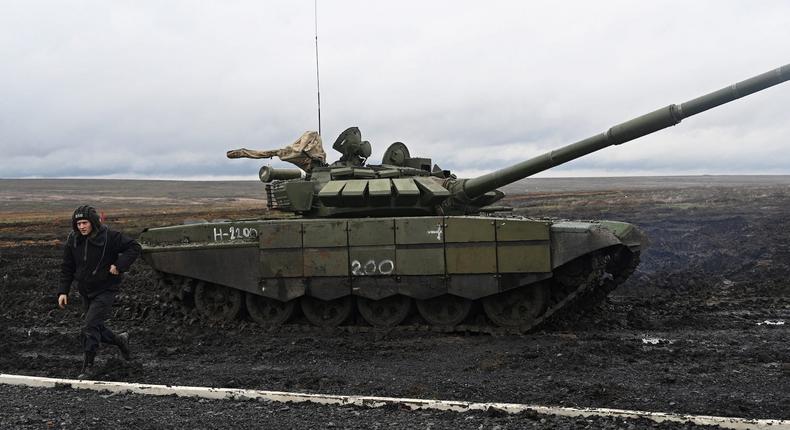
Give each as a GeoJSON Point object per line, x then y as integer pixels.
{"type": "Point", "coordinates": [702, 327]}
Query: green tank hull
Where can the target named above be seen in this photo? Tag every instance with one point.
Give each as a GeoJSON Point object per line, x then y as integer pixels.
{"type": "Point", "coordinates": [443, 265]}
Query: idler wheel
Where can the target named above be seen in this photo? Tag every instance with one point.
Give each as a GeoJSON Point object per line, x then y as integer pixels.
{"type": "Point", "coordinates": [386, 312]}
{"type": "Point", "coordinates": [326, 313]}
{"type": "Point", "coordinates": [269, 312]}
{"type": "Point", "coordinates": [518, 307]}
{"type": "Point", "coordinates": [217, 302]}
{"type": "Point", "coordinates": [444, 311]}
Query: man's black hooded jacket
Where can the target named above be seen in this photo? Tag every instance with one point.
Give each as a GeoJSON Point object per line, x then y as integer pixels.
{"type": "Point", "coordinates": [87, 260]}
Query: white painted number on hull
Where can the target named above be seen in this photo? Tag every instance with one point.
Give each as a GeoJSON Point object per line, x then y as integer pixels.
{"type": "Point", "coordinates": [234, 233]}
{"type": "Point", "coordinates": [371, 267]}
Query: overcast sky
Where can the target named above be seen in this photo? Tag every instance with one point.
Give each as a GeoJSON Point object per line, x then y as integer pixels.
{"type": "Point", "coordinates": [161, 89]}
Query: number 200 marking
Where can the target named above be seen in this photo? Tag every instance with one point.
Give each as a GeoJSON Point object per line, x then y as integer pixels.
{"type": "Point", "coordinates": [384, 267]}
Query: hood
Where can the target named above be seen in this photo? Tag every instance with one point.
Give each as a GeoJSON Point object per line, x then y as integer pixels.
{"type": "Point", "coordinates": [88, 213]}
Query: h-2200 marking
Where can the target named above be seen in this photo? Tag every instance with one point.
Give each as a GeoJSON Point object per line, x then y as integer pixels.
{"type": "Point", "coordinates": [233, 233]}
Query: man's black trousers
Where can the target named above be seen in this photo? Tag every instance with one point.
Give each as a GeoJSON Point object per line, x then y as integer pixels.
{"type": "Point", "coordinates": [97, 309]}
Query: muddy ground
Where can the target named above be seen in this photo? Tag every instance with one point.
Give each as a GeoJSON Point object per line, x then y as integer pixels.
{"type": "Point", "coordinates": [697, 329]}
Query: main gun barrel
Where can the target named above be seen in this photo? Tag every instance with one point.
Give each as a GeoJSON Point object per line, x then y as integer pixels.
{"type": "Point", "coordinates": [624, 132]}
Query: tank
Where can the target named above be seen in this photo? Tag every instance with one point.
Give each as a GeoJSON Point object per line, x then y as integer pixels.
{"type": "Point", "coordinates": [406, 242]}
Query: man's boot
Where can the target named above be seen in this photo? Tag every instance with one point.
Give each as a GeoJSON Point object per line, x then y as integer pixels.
{"type": "Point", "coordinates": [87, 365]}
{"type": "Point", "coordinates": [122, 341]}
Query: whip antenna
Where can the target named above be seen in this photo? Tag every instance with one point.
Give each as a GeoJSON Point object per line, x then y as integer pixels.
{"type": "Point", "coordinates": [317, 79]}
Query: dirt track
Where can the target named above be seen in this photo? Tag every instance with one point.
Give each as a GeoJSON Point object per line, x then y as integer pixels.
{"type": "Point", "coordinates": [686, 333]}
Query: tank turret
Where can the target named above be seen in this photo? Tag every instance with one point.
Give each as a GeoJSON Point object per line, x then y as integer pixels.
{"type": "Point", "coordinates": [405, 185]}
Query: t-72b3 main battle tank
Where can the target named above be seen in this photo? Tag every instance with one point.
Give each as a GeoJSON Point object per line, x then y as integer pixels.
{"type": "Point", "coordinates": [382, 238]}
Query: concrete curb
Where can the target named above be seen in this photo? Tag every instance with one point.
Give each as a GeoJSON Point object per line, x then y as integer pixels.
{"type": "Point", "coordinates": [374, 402]}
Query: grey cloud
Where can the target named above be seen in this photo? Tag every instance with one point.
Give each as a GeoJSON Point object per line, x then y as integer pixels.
{"type": "Point", "coordinates": [151, 89]}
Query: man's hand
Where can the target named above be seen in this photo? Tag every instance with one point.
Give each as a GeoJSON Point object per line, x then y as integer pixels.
{"type": "Point", "coordinates": [63, 300]}
{"type": "Point", "coordinates": [114, 270]}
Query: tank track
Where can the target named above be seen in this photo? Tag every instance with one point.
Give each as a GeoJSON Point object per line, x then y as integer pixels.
{"type": "Point", "coordinates": [577, 286]}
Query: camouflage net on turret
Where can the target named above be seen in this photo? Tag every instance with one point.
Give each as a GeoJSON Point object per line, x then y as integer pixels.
{"type": "Point", "coordinates": [304, 152]}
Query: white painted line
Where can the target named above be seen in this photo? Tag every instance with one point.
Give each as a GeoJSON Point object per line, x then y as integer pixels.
{"type": "Point", "coordinates": [375, 402]}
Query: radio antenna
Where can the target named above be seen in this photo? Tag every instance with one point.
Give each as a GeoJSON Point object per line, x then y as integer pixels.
{"type": "Point", "coordinates": [317, 79]}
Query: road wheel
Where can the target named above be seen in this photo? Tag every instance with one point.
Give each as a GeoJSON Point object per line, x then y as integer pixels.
{"type": "Point", "coordinates": [444, 311]}
{"type": "Point", "coordinates": [326, 313]}
{"type": "Point", "coordinates": [269, 312]}
{"type": "Point", "coordinates": [518, 307]}
{"type": "Point", "coordinates": [386, 312]}
{"type": "Point", "coordinates": [217, 302]}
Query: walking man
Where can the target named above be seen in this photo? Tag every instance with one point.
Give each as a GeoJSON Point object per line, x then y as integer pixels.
{"type": "Point", "coordinates": [96, 257]}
